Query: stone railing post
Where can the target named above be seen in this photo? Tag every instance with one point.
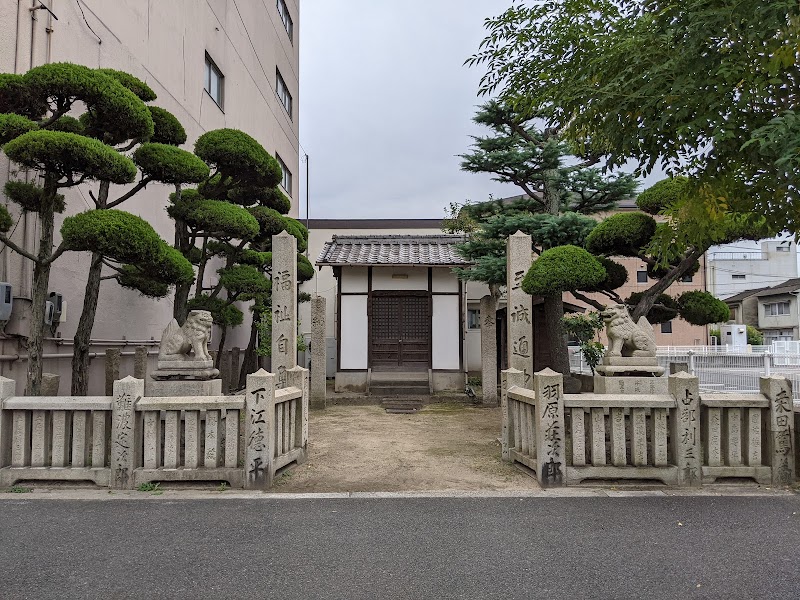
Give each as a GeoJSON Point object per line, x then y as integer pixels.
{"type": "Point", "coordinates": [7, 390]}
{"type": "Point", "coordinates": [319, 364]}
{"type": "Point", "coordinates": [298, 377]}
{"type": "Point", "coordinates": [551, 458]}
{"type": "Point", "coordinates": [489, 349]}
{"type": "Point", "coordinates": [124, 431]}
{"type": "Point", "coordinates": [140, 362]}
{"type": "Point", "coordinates": [780, 429]}
{"type": "Point", "coordinates": [508, 379]}
{"type": "Point", "coordinates": [112, 369]}
{"type": "Point", "coordinates": [685, 428]}
{"type": "Point", "coordinates": [259, 427]}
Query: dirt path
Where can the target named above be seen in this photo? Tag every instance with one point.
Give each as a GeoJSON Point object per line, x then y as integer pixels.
{"type": "Point", "coordinates": [442, 447]}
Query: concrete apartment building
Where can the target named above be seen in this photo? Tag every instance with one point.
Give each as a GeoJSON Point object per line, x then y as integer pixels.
{"type": "Point", "coordinates": [213, 64]}
{"type": "Point", "coordinates": [734, 269]}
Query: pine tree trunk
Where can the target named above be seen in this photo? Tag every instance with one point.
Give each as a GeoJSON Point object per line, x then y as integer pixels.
{"type": "Point", "coordinates": [180, 307]}
{"type": "Point", "coordinates": [250, 360]}
{"type": "Point", "coordinates": [41, 283]}
{"type": "Point", "coordinates": [559, 355]}
{"type": "Point", "coordinates": [83, 334]}
{"type": "Point", "coordinates": [223, 333]}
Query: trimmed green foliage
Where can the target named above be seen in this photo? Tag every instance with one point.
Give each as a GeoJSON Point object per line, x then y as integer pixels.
{"type": "Point", "coordinates": [665, 308]}
{"type": "Point", "coordinates": [244, 280]}
{"type": "Point", "coordinates": [222, 313]}
{"type": "Point", "coordinates": [234, 154]}
{"type": "Point", "coordinates": [13, 126]}
{"type": "Point", "coordinates": [616, 274]}
{"type": "Point", "coordinates": [143, 91]}
{"type": "Point", "coordinates": [561, 269]}
{"type": "Point", "coordinates": [29, 196]}
{"type": "Point", "coordinates": [754, 336]}
{"type": "Point", "coordinates": [262, 260]}
{"type": "Point", "coordinates": [658, 271]}
{"type": "Point", "coordinates": [215, 217]}
{"type": "Point", "coordinates": [134, 278]}
{"type": "Point", "coordinates": [167, 128]}
{"type": "Point", "coordinates": [270, 221]}
{"type": "Point", "coordinates": [112, 108]}
{"type": "Point", "coordinates": [6, 222]}
{"type": "Point", "coordinates": [623, 234]}
{"type": "Point", "coordinates": [299, 231]}
{"type": "Point", "coordinates": [701, 308]}
{"type": "Point", "coordinates": [114, 233]}
{"type": "Point", "coordinates": [663, 194]}
{"type": "Point", "coordinates": [170, 266]}
{"type": "Point", "coordinates": [15, 97]}
{"type": "Point", "coordinates": [68, 124]}
{"type": "Point", "coordinates": [70, 155]}
{"type": "Point", "coordinates": [169, 164]}
{"type": "Point", "coordinates": [305, 270]}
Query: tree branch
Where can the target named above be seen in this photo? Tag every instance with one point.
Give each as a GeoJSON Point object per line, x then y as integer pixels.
{"type": "Point", "coordinates": [135, 189]}
{"type": "Point", "coordinates": [58, 252]}
{"type": "Point", "coordinates": [649, 297]}
{"type": "Point", "coordinates": [17, 249]}
{"type": "Point", "coordinates": [587, 300]}
{"type": "Point", "coordinates": [134, 141]}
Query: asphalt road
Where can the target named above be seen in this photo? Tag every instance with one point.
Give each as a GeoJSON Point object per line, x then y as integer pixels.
{"type": "Point", "coordinates": [649, 547]}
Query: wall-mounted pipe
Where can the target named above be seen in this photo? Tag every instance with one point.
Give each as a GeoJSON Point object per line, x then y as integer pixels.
{"type": "Point", "coordinates": [23, 357]}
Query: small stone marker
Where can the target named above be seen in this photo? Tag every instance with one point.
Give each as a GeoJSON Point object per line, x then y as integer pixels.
{"type": "Point", "coordinates": [520, 306]}
{"type": "Point", "coordinates": [550, 438]}
{"type": "Point", "coordinates": [685, 428]}
{"type": "Point", "coordinates": [112, 369]}
{"type": "Point", "coordinates": [50, 383]}
{"type": "Point", "coordinates": [318, 352]}
{"type": "Point", "coordinates": [7, 390]}
{"type": "Point", "coordinates": [780, 429]}
{"type": "Point", "coordinates": [140, 362]}
{"type": "Point", "coordinates": [489, 349]}
{"type": "Point", "coordinates": [259, 422]}
{"type": "Point", "coordinates": [127, 393]}
{"type": "Point", "coordinates": [284, 306]}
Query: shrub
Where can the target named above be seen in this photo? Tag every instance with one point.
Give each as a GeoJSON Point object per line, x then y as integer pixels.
{"type": "Point", "coordinates": [701, 308]}
{"type": "Point", "coordinates": [6, 222]}
{"type": "Point", "coordinates": [754, 336]}
{"type": "Point", "coordinates": [235, 154]}
{"type": "Point", "coordinates": [68, 155]}
{"type": "Point", "coordinates": [29, 196]}
{"type": "Point", "coordinates": [623, 234]}
{"type": "Point", "coordinates": [142, 91]}
{"type": "Point", "coordinates": [166, 127]}
{"type": "Point", "coordinates": [666, 307]}
{"type": "Point", "coordinates": [270, 221]}
{"type": "Point", "coordinates": [662, 194]}
{"type": "Point", "coordinates": [244, 280]}
{"type": "Point", "coordinates": [117, 234]}
{"type": "Point", "coordinates": [561, 269]}
{"type": "Point", "coordinates": [222, 313]}
{"type": "Point", "coordinates": [305, 270]}
{"type": "Point", "coordinates": [15, 97]}
{"type": "Point", "coordinates": [13, 126]}
{"type": "Point", "coordinates": [216, 218]}
{"type": "Point", "coordinates": [170, 164]}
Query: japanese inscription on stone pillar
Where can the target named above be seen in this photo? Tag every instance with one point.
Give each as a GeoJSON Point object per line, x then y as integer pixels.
{"type": "Point", "coordinates": [318, 352]}
{"type": "Point", "coordinates": [520, 306]}
{"type": "Point", "coordinates": [686, 427]}
{"type": "Point", "coordinates": [123, 433]}
{"type": "Point", "coordinates": [258, 427]}
{"type": "Point", "coordinates": [284, 305]}
{"type": "Point", "coordinates": [781, 429]}
{"type": "Point", "coordinates": [550, 444]}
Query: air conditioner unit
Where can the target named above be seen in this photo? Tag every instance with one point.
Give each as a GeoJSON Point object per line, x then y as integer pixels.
{"type": "Point", "coordinates": [58, 305]}
{"type": "Point", "coordinates": [6, 301]}
{"type": "Point", "coordinates": [49, 310]}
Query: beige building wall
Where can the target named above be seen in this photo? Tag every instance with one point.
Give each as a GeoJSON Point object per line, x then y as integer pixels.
{"type": "Point", "coordinates": [164, 43]}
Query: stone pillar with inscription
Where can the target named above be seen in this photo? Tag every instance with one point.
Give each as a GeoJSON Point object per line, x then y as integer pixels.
{"type": "Point", "coordinates": [685, 428]}
{"type": "Point", "coordinates": [780, 429]}
{"type": "Point", "coordinates": [318, 354]}
{"type": "Point", "coordinates": [550, 438]}
{"type": "Point", "coordinates": [284, 306]}
{"type": "Point", "coordinates": [489, 349]}
{"type": "Point", "coordinates": [8, 388]}
{"type": "Point", "coordinates": [124, 434]}
{"type": "Point", "coordinates": [508, 379]}
{"type": "Point", "coordinates": [520, 306]}
{"type": "Point", "coordinates": [259, 425]}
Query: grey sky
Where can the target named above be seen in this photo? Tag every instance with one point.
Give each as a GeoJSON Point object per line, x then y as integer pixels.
{"type": "Point", "coordinates": [386, 105]}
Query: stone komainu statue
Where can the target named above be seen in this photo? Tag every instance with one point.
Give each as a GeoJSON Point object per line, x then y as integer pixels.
{"type": "Point", "coordinates": [194, 334]}
{"type": "Point", "coordinates": [626, 338]}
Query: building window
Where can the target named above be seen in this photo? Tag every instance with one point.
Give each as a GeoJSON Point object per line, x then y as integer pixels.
{"type": "Point", "coordinates": [214, 81]}
{"type": "Point", "coordinates": [286, 19]}
{"type": "Point", "coordinates": [641, 276]}
{"type": "Point", "coordinates": [687, 278]}
{"type": "Point", "coordinates": [738, 277]}
{"type": "Point", "coordinates": [733, 313]}
{"type": "Point", "coordinates": [666, 327]}
{"type": "Point", "coordinates": [782, 249]}
{"type": "Point", "coordinates": [775, 309]}
{"type": "Point", "coordinates": [286, 182]}
{"type": "Point", "coordinates": [283, 93]}
{"type": "Point", "coordinates": [473, 318]}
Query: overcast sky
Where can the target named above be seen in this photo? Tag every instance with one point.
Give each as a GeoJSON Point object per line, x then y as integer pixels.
{"type": "Point", "coordinates": [386, 106]}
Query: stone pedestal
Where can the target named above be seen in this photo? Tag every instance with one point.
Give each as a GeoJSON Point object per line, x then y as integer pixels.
{"type": "Point", "coordinates": [604, 384]}
{"type": "Point", "coordinates": [489, 349]}
{"type": "Point", "coordinates": [185, 370]}
{"type": "Point", "coordinates": [209, 387]}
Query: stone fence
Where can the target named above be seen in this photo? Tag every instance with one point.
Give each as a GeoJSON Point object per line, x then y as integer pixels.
{"type": "Point", "coordinates": [127, 439]}
{"type": "Point", "coordinates": [679, 438]}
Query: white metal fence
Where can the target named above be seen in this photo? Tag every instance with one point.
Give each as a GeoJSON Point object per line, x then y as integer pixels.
{"type": "Point", "coordinates": [722, 371]}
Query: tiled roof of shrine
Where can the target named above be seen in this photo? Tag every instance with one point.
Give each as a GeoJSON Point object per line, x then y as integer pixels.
{"type": "Point", "coordinates": [362, 250]}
